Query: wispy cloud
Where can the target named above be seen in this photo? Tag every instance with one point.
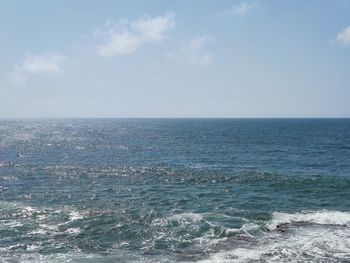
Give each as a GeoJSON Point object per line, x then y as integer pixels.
{"type": "Point", "coordinates": [44, 64]}
{"type": "Point", "coordinates": [195, 51]}
{"type": "Point", "coordinates": [192, 52]}
{"type": "Point", "coordinates": [242, 9]}
{"type": "Point", "coordinates": [344, 37]}
{"type": "Point", "coordinates": [126, 37]}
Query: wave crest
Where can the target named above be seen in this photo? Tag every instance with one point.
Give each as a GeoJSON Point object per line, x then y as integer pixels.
{"type": "Point", "coordinates": [323, 217]}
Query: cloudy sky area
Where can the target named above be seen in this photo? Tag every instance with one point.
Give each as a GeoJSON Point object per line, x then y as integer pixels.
{"type": "Point", "coordinates": [197, 58]}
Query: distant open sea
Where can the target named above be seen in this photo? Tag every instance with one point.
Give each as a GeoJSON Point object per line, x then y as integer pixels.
{"type": "Point", "coordinates": [175, 190]}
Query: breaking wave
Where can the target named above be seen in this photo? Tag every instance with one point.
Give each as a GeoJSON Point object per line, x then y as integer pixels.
{"type": "Point", "coordinates": [318, 236]}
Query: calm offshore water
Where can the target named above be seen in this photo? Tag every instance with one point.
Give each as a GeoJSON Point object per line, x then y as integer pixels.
{"type": "Point", "coordinates": [181, 190]}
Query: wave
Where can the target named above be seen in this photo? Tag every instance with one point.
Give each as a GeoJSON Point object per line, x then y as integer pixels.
{"type": "Point", "coordinates": [323, 217]}
{"type": "Point", "coordinates": [320, 236]}
{"type": "Point", "coordinates": [311, 236]}
{"type": "Point", "coordinates": [76, 257]}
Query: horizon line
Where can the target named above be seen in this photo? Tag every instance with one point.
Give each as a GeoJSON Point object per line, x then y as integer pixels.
{"type": "Point", "coordinates": [76, 117]}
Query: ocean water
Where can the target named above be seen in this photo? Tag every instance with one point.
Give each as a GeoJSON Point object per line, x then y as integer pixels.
{"type": "Point", "coordinates": [180, 190]}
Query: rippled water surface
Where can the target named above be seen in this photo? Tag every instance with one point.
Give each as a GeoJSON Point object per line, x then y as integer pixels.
{"type": "Point", "coordinates": [181, 190]}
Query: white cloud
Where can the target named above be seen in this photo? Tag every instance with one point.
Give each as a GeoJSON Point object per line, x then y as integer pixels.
{"type": "Point", "coordinates": [45, 64]}
{"type": "Point", "coordinates": [197, 42]}
{"type": "Point", "coordinates": [118, 44]}
{"type": "Point", "coordinates": [192, 52]}
{"type": "Point", "coordinates": [126, 37]}
{"type": "Point", "coordinates": [242, 9]}
{"type": "Point", "coordinates": [153, 29]}
{"type": "Point", "coordinates": [344, 37]}
{"type": "Point", "coordinates": [195, 54]}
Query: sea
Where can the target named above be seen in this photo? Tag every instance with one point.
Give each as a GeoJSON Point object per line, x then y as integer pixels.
{"type": "Point", "coordinates": [175, 190]}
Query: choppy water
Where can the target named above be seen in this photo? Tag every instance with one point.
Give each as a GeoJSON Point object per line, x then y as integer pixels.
{"type": "Point", "coordinates": [196, 190]}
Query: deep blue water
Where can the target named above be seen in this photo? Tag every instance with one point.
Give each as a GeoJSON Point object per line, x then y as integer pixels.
{"type": "Point", "coordinates": [175, 190]}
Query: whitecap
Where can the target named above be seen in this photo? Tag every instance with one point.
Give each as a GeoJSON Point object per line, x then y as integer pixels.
{"type": "Point", "coordinates": [183, 219]}
{"type": "Point", "coordinates": [324, 238]}
{"type": "Point", "coordinates": [193, 217]}
{"type": "Point", "coordinates": [38, 232]}
{"type": "Point", "coordinates": [75, 215]}
{"type": "Point", "coordinates": [323, 217]}
{"type": "Point", "coordinates": [13, 224]}
{"type": "Point", "coordinates": [73, 230]}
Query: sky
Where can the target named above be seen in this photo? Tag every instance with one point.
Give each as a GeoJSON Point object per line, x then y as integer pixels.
{"type": "Point", "coordinates": [180, 58]}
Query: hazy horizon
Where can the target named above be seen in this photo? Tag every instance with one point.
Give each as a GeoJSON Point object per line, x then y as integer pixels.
{"type": "Point", "coordinates": [170, 118]}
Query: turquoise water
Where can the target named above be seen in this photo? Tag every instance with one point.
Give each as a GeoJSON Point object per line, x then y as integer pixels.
{"type": "Point", "coordinates": [180, 190]}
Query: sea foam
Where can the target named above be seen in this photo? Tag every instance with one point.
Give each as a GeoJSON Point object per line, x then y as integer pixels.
{"type": "Point", "coordinates": [323, 217]}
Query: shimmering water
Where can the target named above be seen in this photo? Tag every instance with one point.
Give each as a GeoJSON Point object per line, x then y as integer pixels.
{"type": "Point", "coordinates": [181, 190]}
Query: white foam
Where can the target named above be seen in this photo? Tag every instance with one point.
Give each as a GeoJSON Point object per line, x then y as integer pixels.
{"type": "Point", "coordinates": [13, 224]}
{"type": "Point", "coordinates": [325, 239]}
{"type": "Point", "coordinates": [17, 210]}
{"type": "Point", "coordinates": [45, 229]}
{"type": "Point", "coordinates": [75, 215]}
{"type": "Point", "coordinates": [307, 245]}
{"type": "Point", "coordinates": [183, 219]}
{"type": "Point", "coordinates": [29, 210]}
{"type": "Point", "coordinates": [73, 230]}
{"type": "Point", "coordinates": [38, 232]}
{"type": "Point", "coordinates": [323, 217]}
{"type": "Point", "coordinates": [32, 247]}
{"type": "Point", "coordinates": [193, 217]}
{"type": "Point", "coordinates": [9, 178]}
{"type": "Point", "coordinates": [73, 256]}
{"type": "Point", "coordinates": [49, 227]}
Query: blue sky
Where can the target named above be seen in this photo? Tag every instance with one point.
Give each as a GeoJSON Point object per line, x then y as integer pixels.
{"type": "Point", "coordinates": [181, 58]}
